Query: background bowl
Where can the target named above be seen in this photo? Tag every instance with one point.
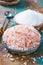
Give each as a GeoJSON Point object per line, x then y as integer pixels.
{"type": "Point", "coordinates": [29, 18]}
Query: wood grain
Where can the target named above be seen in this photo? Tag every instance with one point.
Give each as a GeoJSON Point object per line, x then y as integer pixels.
{"type": "Point", "coordinates": [8, 3]}
{"type": "Point", "coordinates": [34, 5]}
{"type": "Point", "coordinates": [1, 59]}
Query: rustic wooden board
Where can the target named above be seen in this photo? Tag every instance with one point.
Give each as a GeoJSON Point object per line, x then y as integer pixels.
{"type": "Point", "coordinates": [6, 61]}
{"type": "Point", "coordinates": [8, 3]}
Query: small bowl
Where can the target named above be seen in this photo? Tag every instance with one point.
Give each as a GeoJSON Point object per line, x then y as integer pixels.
{"type": "Point", "coordinates": [29, 18]}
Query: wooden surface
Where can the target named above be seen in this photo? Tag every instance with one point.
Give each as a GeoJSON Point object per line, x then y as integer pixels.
{"type": "Point", "coordinates": [35, 6]}
{"type": "Point", "coordinates": [8, 3]}
{"type": "Point", "coordinates": [6, 61]}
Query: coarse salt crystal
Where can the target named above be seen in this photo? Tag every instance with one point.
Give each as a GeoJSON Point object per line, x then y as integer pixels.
{"type": "Point", "coordinates": [12, 59]}
{"type": "Point", "coordinates": [33, 62]}
{"type": "Point", "coordinates": [33, 59]}
{"type": "Point", "coordinates": [25, 63]}
{"type": "Point", "coordinates": [4, 55]}
{"type": "Point", "coordinates": [41, 56]}
{"type": "Point", "coordinates": [17, 58]}
{"type": "Point", "coordinates": [5, 49]}
{"type": "Point", "coordinates": [21, 58]}
{"type": "Point", "coordinates": [42, 31]}
{"type": "Point", "coordinates": [8, 55]}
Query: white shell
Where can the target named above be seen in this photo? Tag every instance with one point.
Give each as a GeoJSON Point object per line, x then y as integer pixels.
{"type": "Point", "coordinates": [29, 17]}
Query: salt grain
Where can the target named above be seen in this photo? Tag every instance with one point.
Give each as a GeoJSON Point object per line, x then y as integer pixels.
{"type": "Point", "coordinates": [42, 31]}
{"type": "Point", "coordinates": [8, 55]}
{"type": "Point", "coordinates": [33, 61]}
{"type": "Point", "coordinates": [4, 55]}
{"type": "Point", "coordinates": [12, 59]}
{"type": "Point", "coordinates": [42, 59]}
{"type": "Point", "coordinates": [17, 58]}
{"type": "Point", "coordinates": [25, 63]}
{"type": "Point", "coordinates": [27, 60]}
{"type": "Point", "coordinates": [11, 56]}
{"type": "Point", "coordinates": [38, 28]}
{"type": "Point", "coordinates": [5, 49]}
{"type": "Point", "coordinates": [41, 56]}
{"type": "Point", "coordinates": [21, 58]}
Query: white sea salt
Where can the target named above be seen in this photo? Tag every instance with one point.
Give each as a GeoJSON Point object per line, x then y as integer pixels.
{"type": "Point", "coordinates": [34, 59]}
{"type": "Point", "coordinates": [30, 17]}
